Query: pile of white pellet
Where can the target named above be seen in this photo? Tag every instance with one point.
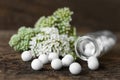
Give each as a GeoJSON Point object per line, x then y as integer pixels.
{"type": "Point", "coordinates": [57, 63]}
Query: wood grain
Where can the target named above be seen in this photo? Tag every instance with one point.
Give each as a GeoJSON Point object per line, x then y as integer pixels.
{"type": "Point", "coordinates": [91, 14]}
{"type": "Point", "coordinates": [13, 68]}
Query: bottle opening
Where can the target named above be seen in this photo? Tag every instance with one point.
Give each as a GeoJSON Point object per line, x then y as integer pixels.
{"type": "Point", "coordinates": [86, 47]}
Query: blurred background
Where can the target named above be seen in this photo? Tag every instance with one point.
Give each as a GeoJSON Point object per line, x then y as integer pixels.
{"type": "Point", "coordinates": [88, 14]}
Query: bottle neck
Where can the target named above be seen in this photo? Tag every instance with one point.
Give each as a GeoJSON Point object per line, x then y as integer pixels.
{"type": "Point", "coordinates": [86, 47]}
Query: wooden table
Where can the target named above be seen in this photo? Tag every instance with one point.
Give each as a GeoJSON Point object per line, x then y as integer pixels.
{"type": "Point", "coordinates": [13, 68]}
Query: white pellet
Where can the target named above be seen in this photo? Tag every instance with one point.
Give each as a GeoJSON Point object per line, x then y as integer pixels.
{"type": "Point", "coordinates": [66, 61]}
{"type": "Point", "coordinates": [69, 56]}
{"type": "Point", "coordinates": [89, 49]}
{"type": "Point", "coordinates": [52, 56]}
{"type": "Point", "coordinates": [56, 64]}
{"type": "Point", "coordinates": [99, 42]}
{"type": "Point", "coordinates": [26, 56]}
{"type": "Point", "coordinates": [36, 64]}
{"type": "Point", "coordinates": [43, 58]}
{"type": "Point", "coordinates": [75, 68]}
{"type": "Point", "coordinates": [111, 41]}
{"type": "Point", "coordinates": [93, 63]}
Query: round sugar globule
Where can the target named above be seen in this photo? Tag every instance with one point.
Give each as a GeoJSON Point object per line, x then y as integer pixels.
{"type": "Point", "coordinates": [26, 56]}
{"type": "Point", "coordinates": [93, 63]}
{"type": "Point", "coordinates": [89, 49]}
{"type": "Point", "coordinates": [43, 58]}
{"type": "Point", "coordinates": [67, 60]}
{"type": "Point", "coordinates": [75, 68]}
{"type": "Point", "coordinates": [56, 64]}
{"type": "Point", "coordinates": [111, 41]}
{"type": "Point", "coordinates": [52, 56]}
{"type": "Point", "coordinates": [36, 64]}
{"type": "Point", "coordinates": [69, 56]}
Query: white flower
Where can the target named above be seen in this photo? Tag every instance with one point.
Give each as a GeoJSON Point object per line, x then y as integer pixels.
{"type": "Point", "coordinates": [50, 41]}
{"type": "Point", "coordinates": [54, 36]}
{"type": "Point", "coordinates": [32, 42]}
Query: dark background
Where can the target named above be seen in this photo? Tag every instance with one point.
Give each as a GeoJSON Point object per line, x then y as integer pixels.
{"type": "Point", "coordinates": [88, 14]}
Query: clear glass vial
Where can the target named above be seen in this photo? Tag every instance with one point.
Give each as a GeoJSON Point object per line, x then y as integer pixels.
{"type": "Point", "coordinates": [94, 44]}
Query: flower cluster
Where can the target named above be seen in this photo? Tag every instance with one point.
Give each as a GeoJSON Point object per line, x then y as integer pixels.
{"type": "Point", "coordinates": [49, 40]}
{"type": "Point", "coordinates": [63, 15]}
{"type": "Point", "coordinates": [20, 41]}
{"type": "Point", "coordinates": [50, 34]}
{"type": "Point", "coordinates": [60, 19]}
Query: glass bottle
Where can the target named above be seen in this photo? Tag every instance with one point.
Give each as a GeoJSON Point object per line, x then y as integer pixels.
{"type": "Point", "coordinates": [94, 44]}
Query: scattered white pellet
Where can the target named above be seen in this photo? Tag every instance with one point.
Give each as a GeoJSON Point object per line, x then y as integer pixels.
{"type": "Point", "coordinates": [56, 64]}
{"type": "Point", "coordinates": [111, 41]}
{"type": "Point", "coordinates": [69, 56]}
{"type": "Point", "coordinates": [104, 38]}
{"type": "Point", "coordinates": [52, 56]}
{"type": "Point", "coordinates": [36, 64]}
{"type": "Point", "coordinates": [106, 45]}
{"type": "Point", "coordinates": [93, 63]}
{"type": "Point", "coordinates": [99, 42]}
{"type": "Point", "coordinates": [89, 49]}
{"type": "Point", "coordinates": [26, 56]}
{"type": "Point", "coordinates": [75, 68]}
{"type": "Point", "coordinates": [66, 61]}
{"type": "Point", "coordinates": [43, 58]}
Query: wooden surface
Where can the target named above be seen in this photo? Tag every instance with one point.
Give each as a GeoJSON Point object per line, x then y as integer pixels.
{"type": "Point", "coordinates": [13, 68]}
{"type": "Point", "coordinates": [91, 14]}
